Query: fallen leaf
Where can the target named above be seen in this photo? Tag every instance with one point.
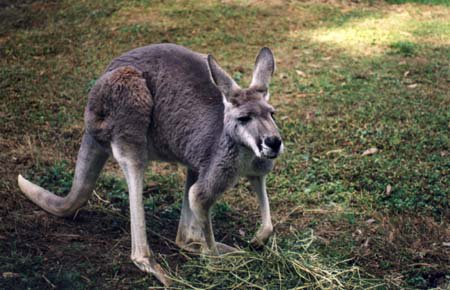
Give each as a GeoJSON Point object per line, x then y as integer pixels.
{"type": "Point", "coordinates": [406, 74]}
{"type": "Point", "coordinates": [388, 189]}
{"type": "Point", "coordinates": [334, 151]}
{"type": "Point", "coordinates": [9, 275]}
{"type": "Point", "coordinates": [370, 151]}
{"type": "Point", "coordinates": [310, 116]}
{"type": "Point", "coordinates": [446, 244]}
{"type": "Point", "coordinates": [391, 236]}
{"type": "Point", "coordinates": [300, 73]}
{"type": "Point", "coordinates": [313, 65]}
{"type": "Point", "coordinates": [362, 76]}
{"type": "Point", "coordinates": [412, 86]}
{"type": "Point", "coordinates": [370, 221]}
{"type": "Point", "coordinates": [241, 233]}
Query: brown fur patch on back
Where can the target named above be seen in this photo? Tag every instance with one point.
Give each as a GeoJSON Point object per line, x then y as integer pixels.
{"type": "Point", "coordinates": [133, 80]}
{"type": "Point", "coordinates": [119, 106]}
{"type": "Point", "coordinates": [123, 75]}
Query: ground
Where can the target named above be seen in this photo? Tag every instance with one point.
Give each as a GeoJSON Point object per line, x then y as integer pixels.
{"type": "Point", "coordinates": [360, 198]}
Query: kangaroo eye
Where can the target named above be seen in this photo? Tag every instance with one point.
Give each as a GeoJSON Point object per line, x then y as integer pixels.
{"type": "Point", "coordinates": [244, 119]}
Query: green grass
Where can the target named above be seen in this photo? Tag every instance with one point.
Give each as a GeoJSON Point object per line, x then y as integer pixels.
{"type": "Point", "coordinates": [349, 78]}
{"type": "Point", "coordinates": [405, 48]}
{"type": "Point", "coordinates": [429, 2]}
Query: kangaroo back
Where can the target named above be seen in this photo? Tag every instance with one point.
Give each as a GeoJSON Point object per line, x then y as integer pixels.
{"type": "Point", "coordinates": [187, 109]}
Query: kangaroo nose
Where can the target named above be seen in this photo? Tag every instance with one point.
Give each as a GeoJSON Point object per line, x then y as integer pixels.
{"type": "Point", "coordinates": [273, 142]}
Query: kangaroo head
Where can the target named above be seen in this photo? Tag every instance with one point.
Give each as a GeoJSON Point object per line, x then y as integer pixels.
{"type": "Point", "coordinates": [248, 117]}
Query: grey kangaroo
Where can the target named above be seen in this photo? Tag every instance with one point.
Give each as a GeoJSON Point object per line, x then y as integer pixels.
{"type": "Point", "coordinates": [166, 102]}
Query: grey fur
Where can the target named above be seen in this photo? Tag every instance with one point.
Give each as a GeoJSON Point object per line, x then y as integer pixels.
{"type": "Point", "coordinates": [166, 102]}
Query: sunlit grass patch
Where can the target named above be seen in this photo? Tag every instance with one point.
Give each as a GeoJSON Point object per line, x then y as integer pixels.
{"type": "Point", "coordinates": [435, 30]}
{"type": "Point", "coordinates": [374, 34]}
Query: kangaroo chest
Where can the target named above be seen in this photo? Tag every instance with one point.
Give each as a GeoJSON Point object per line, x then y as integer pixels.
{"type": "Point", "coordinates": [250, 165]}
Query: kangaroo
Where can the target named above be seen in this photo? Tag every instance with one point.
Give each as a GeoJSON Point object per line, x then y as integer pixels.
{"type": "Point", "coordinates": [165, 102]}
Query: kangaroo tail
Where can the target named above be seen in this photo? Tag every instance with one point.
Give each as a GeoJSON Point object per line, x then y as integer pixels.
{"type": "Point", "coordinates": [91, 159]}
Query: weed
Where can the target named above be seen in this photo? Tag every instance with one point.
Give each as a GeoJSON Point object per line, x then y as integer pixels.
{"type": "Point", "coordinates": [404, 48]}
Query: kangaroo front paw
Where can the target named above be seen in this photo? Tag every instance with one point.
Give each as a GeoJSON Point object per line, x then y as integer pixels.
{"type": "Point", "coordinates": [151, 266]}
{"type": "Point", "coordinates": [225, 249]}
{"type": "Point", "coordinates": [261, 237]}
{"type": "Point", "coordinates": [190, 239]}
{"type": "Point", "coordinates": [201, 248]}
{"type": "Point", "coordinates": [193, 247]}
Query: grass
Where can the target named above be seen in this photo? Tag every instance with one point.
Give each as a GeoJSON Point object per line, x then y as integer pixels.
{"type": "Point", "coordinates": [350, 77]}
{"type": "Point", "coordinates": [293, 264]}
{"type": "Point", "coordinates": [428, 2]}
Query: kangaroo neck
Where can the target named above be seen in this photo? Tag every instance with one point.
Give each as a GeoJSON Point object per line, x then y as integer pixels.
{"type": "Point", "coordinates": [223, 168]}
{"type": "Point", "coordinates": [226, 151]}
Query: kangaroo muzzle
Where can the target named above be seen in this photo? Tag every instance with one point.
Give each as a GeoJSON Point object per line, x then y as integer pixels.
{"type": "Point", "coordinates": [271, 147]}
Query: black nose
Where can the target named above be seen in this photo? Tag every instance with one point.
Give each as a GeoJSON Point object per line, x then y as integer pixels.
{"type": "Point", "coordinates": [273, 142]}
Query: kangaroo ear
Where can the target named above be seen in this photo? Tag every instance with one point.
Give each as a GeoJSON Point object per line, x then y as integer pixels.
{"type": "Point", "coordinates": [264, 69]}
{"type": "Point", "coordinates": [226, 85]}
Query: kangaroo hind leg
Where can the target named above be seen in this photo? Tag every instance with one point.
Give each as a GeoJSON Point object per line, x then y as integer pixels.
{"type": "Point", "coordinates": [133, 161]}
{"type": "Point", "coordinates": [90, 161]}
